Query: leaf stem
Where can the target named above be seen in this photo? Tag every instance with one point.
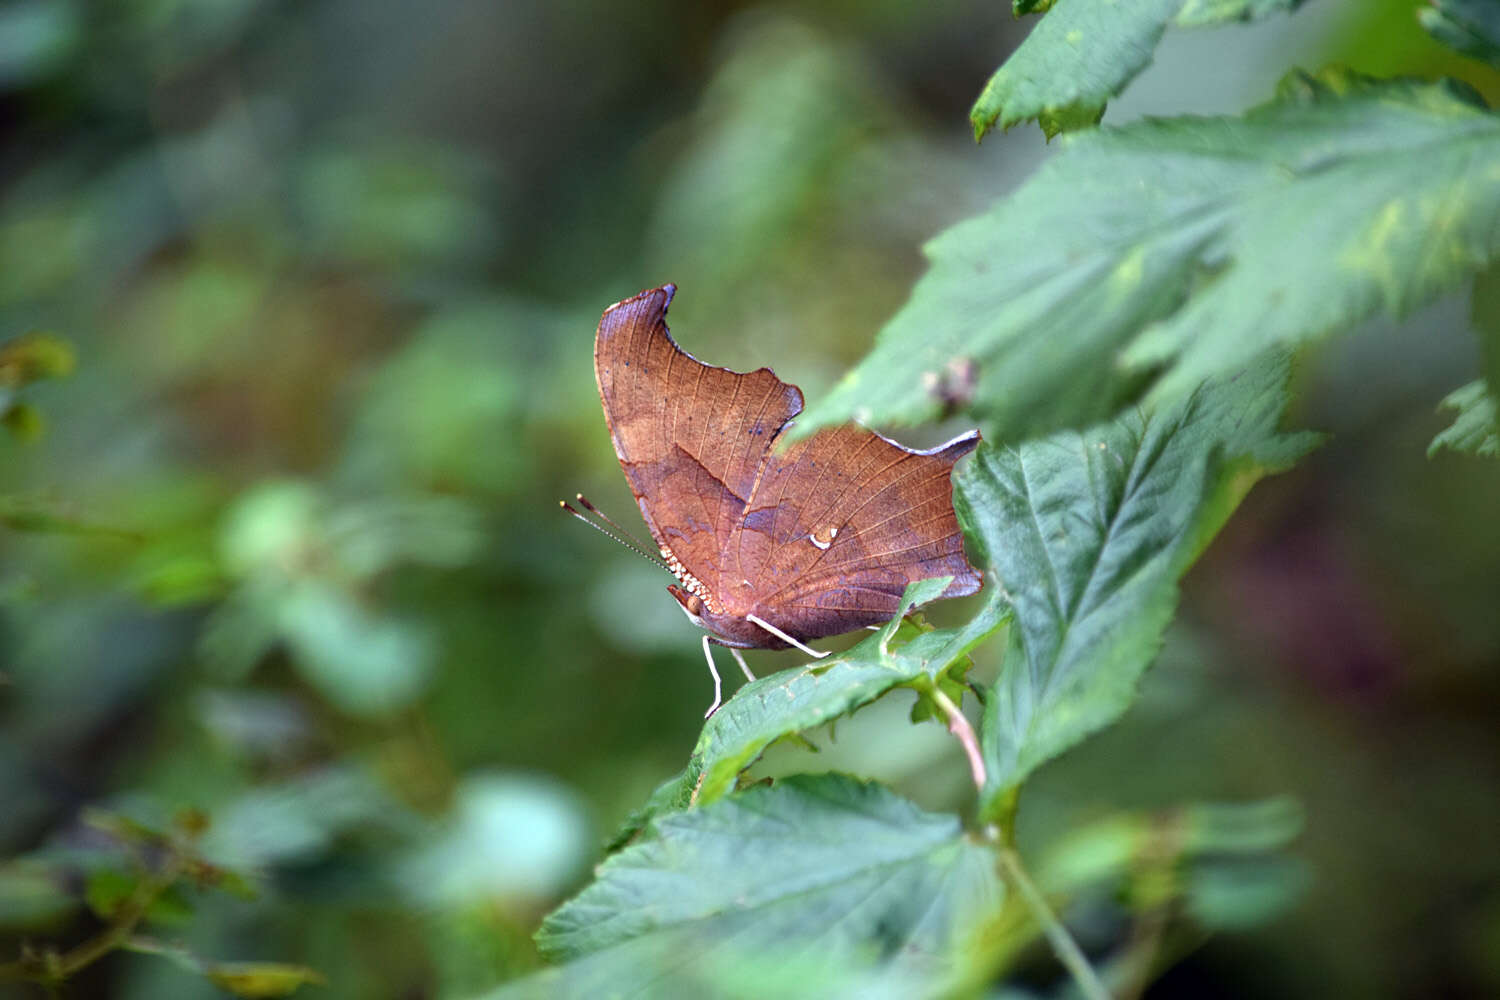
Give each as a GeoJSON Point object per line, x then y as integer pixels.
{"type": "Point", "coordinates": [1063, 945]}
{"type": "Point", "coordinates": [959, 726]}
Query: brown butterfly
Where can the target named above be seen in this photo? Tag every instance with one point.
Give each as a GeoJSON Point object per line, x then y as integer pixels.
{"type": "Point", "coordinates": [770, 549]}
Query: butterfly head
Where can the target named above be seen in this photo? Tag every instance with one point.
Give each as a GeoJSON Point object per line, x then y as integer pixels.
{"type": "Point", "coordinates": [692, 604]}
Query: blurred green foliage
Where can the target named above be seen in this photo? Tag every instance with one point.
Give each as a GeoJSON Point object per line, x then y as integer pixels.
{"type": "Point", "coordinates": [279, 544]}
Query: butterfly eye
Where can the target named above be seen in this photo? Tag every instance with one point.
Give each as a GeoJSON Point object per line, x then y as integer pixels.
{"type": "Point", "coordinates": [691, 603]}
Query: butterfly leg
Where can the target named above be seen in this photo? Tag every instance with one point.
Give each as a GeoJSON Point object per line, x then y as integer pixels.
{"type": "Point", "coordinates": [714, 672]}
{"type": "Point", "coordinates": [743, 665]}
{"type": "Point", "coordinates": [756, 619]}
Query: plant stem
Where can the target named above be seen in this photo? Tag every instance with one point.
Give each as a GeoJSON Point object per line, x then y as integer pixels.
{"type": "Point", "coordinates": [51, 969]}
{"type": "Point", "coordinates": [958, 725]}
{"type": "Point", "coordinates": [1063, 945]}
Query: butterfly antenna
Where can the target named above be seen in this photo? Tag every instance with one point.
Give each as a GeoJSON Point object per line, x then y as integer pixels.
{"type": "Point", "coordinates": [584, 502]}
{"type": "Point", "coordinates": [632, 546]}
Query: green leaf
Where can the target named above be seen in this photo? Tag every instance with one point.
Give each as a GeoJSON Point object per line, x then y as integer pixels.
{"type": "Point", "coordinates": [33, 894]}
{"type": "Point", "coordinates": [1081, 53]}
{"type": "Point", "coordinates": [675, 964]}
{"type": "Point", "coordinates": [36, 39]}
{"type": "Point", "coordinates": [1223, 860]}
{"type": "Point", "coordinates": [299, 820]}
{"type": "Point", "coordinates": [366, 663]}
{"type": "Point", "coordinates": [25, 359]}
{"type": "Point", "coordinates": [1206, 13]}
{"type": "Point", "coordinates": [23, 421]}
{"type": "Point", "coordinates": [32, 357]}
{"type": "Point", "coordinates": [1476, 422]}
{"type": "Point", "coordinates": [846, 870]}
{"type": "Point", "coordinates": [34, 514]}
{"type": "Point", "coordinates": [1484, 315]}
{"type": "Point", "coordinates": [261, 979]}
{"type": "Point", "coordinates": [1110, 849]}
{"type": "Point", "coordinates": [1469, 26]}
{"type": "Point", "coordinates": [1085, 51]}
{"type": "Point", "coordinates": [1398, 221]}
{"type": "Point", "coordinates": [793, 700]}
{"type": "Point", "coordinates": [1055, 123]}
{"type": "Point", "coordinates": [142, 824]}
{"type": "Point", "coordinates": [1236, 894]}
{"type": "Point", "coordinates": [243, 979]}
{"type": "Point", "coordinates": [507, 838]}
{"type": "Point", "coordinates": [671, 795]}
{"type": "Point", "coordinates": [1242, 828]}
{"type": "Point", "coordinates": [108, 889]}
{"type": "Point", "coordinates": [1089, 533]}
{"type": "Point", "coordinates": [1180, 248]}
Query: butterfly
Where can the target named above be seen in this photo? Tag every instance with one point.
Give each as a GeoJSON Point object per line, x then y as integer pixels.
{"type": "Point", "coordinates": [771, 547]}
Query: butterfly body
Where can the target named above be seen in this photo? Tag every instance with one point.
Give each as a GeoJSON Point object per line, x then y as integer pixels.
{"type": "Point", "coordinates": [815, 539]}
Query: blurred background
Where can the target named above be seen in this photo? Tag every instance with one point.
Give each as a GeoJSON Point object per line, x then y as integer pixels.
{"type": "Point", "coordinates": [286, 548]}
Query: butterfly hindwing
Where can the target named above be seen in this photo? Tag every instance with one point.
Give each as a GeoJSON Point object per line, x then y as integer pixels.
{"type": "Point", "coordinates": [842, 522]}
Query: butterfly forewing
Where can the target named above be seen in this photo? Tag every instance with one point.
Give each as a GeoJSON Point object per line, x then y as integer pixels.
{"type": "Point", "coordinates": [690, 436]}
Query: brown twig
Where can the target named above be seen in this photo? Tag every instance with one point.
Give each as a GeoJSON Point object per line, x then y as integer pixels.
{"type": "Point", "coordinates": [51, 969]}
